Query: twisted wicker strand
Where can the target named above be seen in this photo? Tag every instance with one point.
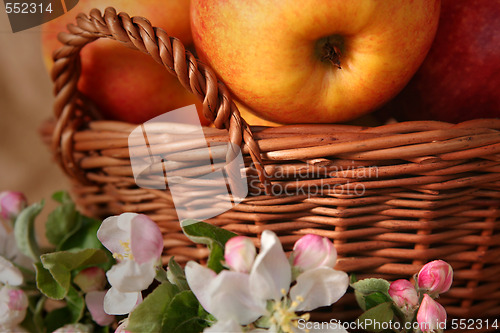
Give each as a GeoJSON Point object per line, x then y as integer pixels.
{"type": "Point", "coordinates": [138, 33]}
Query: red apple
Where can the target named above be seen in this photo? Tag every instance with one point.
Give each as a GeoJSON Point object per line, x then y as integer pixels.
{"type": "Point", "coordinates": [314, 60]}
{"type": "Point", "coordinates": [126, 84]}
{"type": "Point", "coordinates": [460, 78]}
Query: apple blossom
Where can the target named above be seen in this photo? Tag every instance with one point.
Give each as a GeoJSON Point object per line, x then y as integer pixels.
{"type": "Point", "coordinates": [11, 204]}
{"type": "Point", "coordinates": [240, 254]}
{"type": "Point", "coordinates": [237, 298]}
{"type": "Point", "coordinates": [435, 277]}
{"type": "Point", "coordinates": [136, 243]}
{"type": "Point", "coordinates": [95, 304]}
{"type": "Point", "coordinates": [8, 245]}
{"type": "Point", "coordinates": [122, 327]}
{"type": "Point", "coordinates": [431, 315]}
{"type": "Point", "coordinates": [91, 279]}
{"type": "Point", "coordinates": [9, 274]}
{"type": "Point", "coordinates": [312, 251]}
{"type": "Point", "coordinates": [229, 325]}
{"type": "Point", "coordinates": [13, 305]}
{"type": "Point", "coordinates": [403, 294]}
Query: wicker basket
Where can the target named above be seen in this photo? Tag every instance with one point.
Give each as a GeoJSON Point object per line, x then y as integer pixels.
{"type": "Point", "coordinates": [394, 197]}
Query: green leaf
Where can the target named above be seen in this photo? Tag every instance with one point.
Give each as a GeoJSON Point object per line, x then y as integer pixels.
{"type": "Point", "coordinates": [70, 260]}
{"type": "Point", "coordinates": [373, 320]}
{"type": "Point", "coordinates": [76, 304]}
{"type": "Point", "coordinates": [59, 266]}
{"type": "Point", "coordinates": [85, 237]}
{"type": "Point", "coordinates": [149, 315]}
{"type": "Point", "coordinates": [368, 286]}
{"type": "Point", "coordinates": [47, 284]}
{"type": "Point", "coordinates": [38, 314]}
{"type": "Point", "coordinates": [61, 222]}
{"type": "Point", "coordinates": [216, 258]}
{"type": "Point", "coordinates": [360, 299]}
{"type": "Point", "coordinates": [24, 231]}
{"type": "Point", "coordinates": [204, 233]}
{"type": "Point", "coordinates": [61, 197]}
{"type": "Point", "coordinates": [33, 320]}
{"type": "Point", "coordinates": [214, 237]}
{"type": "Point", "coordinates": [176, 275]}
{"type": "Point", "coordinates": [182, 315]}
{"type": "Point", "coordinates": [375, 299]}
{"type": "Point", "coordinates": [57, 318]}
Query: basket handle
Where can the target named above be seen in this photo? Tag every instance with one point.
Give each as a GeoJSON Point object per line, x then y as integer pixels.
{"type": "Point", "coordinates": [138, 33]}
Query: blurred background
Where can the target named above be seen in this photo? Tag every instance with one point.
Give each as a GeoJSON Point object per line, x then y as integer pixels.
{"type": "Point", "coordinates": [25, 102]}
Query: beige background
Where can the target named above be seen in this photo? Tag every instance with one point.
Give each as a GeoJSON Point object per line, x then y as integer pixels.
{"type": "Point", "coordinates": [25, 101]}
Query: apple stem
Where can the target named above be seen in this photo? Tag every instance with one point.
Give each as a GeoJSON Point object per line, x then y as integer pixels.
{"type": "Point", "coordinates": [331, 53]}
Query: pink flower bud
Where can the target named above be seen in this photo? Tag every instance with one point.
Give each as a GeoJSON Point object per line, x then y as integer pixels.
{"type": "Point", "coordinates": [240, 254]}
{"type": "Point", "coordinates": [11, 204]}
{"type": "Point", "coordinates": [312, 251]}
{"type": "Point", "coordinates": [403, 294]}
{"type": "Point", "coordinates": [431, 316]}
{"type": "Point", "coordinates": [13, 305]}
{"type": "Point", "coordinates": [91, 279]}
{"type": "Point", "coordinates": [95, 305]}
{"type": "Point", "coordinates": [435, 277]}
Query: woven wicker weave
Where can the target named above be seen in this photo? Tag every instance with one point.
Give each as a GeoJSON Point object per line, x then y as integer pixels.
{"type": "Point", "coordinates": [391, 197]}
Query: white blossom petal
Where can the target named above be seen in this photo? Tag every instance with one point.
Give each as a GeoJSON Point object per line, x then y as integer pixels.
{"type": "Point", "coordinates": [146, 239]}
{"type": "Point", "coordinates": [114, 230]}
{"type": "Point", "coordinates": [271, 272]}
{"type": "Point", "coordinates": [95, 304]}
{"type": "Point", "coordinates": [10, 274]}
{"type": "Point", "coordinates": [224, 326]}
{"type": "Point", "coordinates": [13, 306]}
{"type": "Point", "coordinates": [226, 296]}
{"type": "Point", "coordinates": [319, 287]}
{"type": "Point", "coordinates": [129, 276]}
{"type": "Point", "coordinates": [8, 246]}
{"type": "Point", "coordinates": [198, 278]}
{"type": "Point", "coordinates": [118, 303]}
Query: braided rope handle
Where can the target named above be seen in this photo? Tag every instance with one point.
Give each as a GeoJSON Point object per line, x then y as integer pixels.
{"type": "Point", "coordinates": [138, 33]}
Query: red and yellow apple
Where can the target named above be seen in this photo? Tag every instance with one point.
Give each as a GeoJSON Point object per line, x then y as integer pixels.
{"type": "Point", "coordinates": [252, 119]}
{"type": "Point", "coordinates": [459, 79]}
{"type": "Point", "coordinates": [126, 84]}
{"type": "Point", "coordinates": [313, 60]}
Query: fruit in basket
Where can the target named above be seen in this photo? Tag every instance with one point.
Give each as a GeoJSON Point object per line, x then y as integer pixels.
{"type": "Point", "coordinates": [126, 84]}
{"type": "Point", "coordinates": [253, 119]}
{"type": "Point", "coordinates": [460, 76]}
{"type": "Point", "coordinates": [314, 60]}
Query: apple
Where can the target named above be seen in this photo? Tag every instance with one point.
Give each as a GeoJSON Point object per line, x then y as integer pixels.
{"type": "Point", "coordinates": [126, 84]}
{"type": "Point", "coordinates": [252, 119]}
{"type": "Point", "coordinates": [460, 77]}
{"type": "Point", "coordinates": [314, 61]}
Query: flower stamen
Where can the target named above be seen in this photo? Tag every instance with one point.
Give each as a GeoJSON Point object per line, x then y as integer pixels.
{"type": "Point", "coordinates": [284, 316]}
{"type": "Point", "coordinates": [127, 252]}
